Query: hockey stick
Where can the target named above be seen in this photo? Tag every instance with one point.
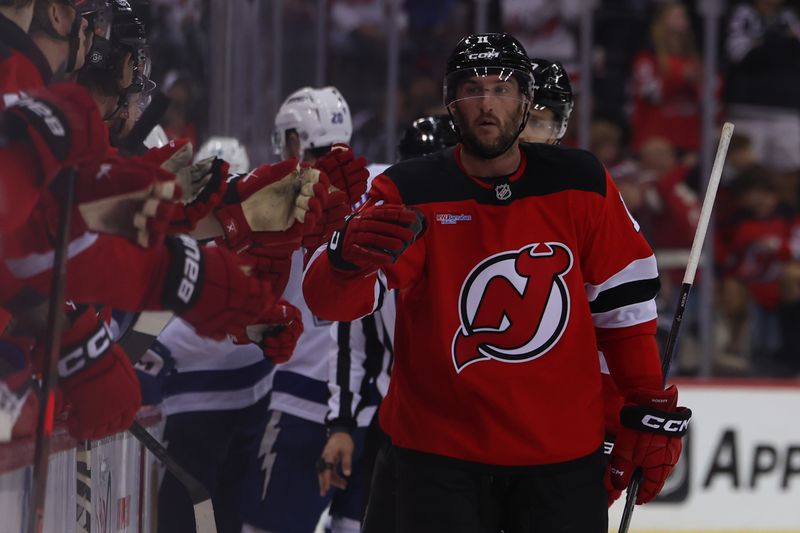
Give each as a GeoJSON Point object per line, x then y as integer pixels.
{"type": "Point", "coordinates": [688, 280]}
{"type": "Point", "coordinates": [55, 324]}
{"type": "Point", "coordinates": [142, 332]}
{"type": "Point", "coordinates": [201, 499]}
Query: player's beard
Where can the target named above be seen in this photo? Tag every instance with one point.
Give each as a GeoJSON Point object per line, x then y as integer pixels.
{"type": "Point", "coordinates": [509, 131]}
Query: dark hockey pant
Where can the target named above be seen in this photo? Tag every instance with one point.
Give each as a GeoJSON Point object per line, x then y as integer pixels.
{"type": "Point", "coordinates": [436, 494]}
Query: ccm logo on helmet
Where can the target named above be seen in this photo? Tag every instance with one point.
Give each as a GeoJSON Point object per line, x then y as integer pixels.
{"type": "Point", "coordinates": [484, 55]}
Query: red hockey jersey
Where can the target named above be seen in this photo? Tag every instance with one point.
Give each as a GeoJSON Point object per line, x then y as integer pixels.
{"type": "Point", "coordinates": [22, 68]}
{"type": "Point", "coordinates": [502, 302]}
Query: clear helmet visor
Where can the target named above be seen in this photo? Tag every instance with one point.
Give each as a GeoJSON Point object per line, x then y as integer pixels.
{"type": "Point", "coordinates": [542, 127]}
{"type": "Point", "coordinates": [141, 82]}
{"type": "Point", "coordinates": [488, 82]}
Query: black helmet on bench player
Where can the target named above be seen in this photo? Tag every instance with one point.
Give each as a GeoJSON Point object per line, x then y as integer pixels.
{"type": "Point", "coordinates": [553, 91]}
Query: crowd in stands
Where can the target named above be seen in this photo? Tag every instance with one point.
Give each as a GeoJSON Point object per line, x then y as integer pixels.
{"type": "Point", "coordinates": [647, 102]}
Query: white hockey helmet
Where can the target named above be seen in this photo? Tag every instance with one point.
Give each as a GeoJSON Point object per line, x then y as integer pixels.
{"type": "Point", "coordinates": [228, 149]}
{"type": "Point", "coordinates": [156, 138]}
{"type": "Point", "coordinates": [321, 117]}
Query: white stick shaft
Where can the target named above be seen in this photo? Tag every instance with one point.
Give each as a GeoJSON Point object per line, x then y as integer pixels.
{"type": "Point", "coordinates": [708, 203]}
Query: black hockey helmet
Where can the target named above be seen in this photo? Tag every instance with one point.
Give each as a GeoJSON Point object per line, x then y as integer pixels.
{"type": "Point", "coordinates": [553, 91]}
{"type": "Point", "coordinates": [483, 54]}
{"type": "Point", "coordinates": [117, 31]}
{"type": "Point", "coordinates": [427, 135]}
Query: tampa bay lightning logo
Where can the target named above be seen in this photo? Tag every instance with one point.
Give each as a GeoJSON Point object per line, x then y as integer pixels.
{"type": "Point", "coordinates": [513, 306]}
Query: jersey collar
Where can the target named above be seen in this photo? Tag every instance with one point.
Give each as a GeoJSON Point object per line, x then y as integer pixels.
{"type": "Point", "coordinates": [12, 36]}
{"type": "Point", "coordinates": [487, 183]}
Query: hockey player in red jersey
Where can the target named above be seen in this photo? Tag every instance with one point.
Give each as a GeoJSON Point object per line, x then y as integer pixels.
{"type": "Point", "coordinates": [23, 68]}
{"type": "Point", "coordinates": [210, 287]}
{"type": "Point", "coordinates": [528, 264]}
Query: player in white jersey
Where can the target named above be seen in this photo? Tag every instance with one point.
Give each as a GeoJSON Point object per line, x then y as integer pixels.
{"type": "Point", "coordinates": [214, 395]}
{"type": "Point", "coordinates": [282, 495]}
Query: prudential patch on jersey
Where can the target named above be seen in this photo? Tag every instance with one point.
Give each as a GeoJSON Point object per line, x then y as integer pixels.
{"type": "Point", "coordinates": [513, 306]}
{"type": "Point", "coordinates": [452, 218]}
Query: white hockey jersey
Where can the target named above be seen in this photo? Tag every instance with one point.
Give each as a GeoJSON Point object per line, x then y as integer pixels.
{"type": "Point", "coordinates": [210, 375]}
{"type": "Point", "coordinates": [300, 386]}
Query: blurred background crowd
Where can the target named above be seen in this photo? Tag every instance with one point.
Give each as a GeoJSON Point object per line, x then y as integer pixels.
{"type": "Point", "coordinates": [653, 81]}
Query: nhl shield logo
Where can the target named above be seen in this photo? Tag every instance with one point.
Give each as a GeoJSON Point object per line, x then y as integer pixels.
{"type": "Point", "coordinates": [513, 306]}
{"type": "Point", "coordinates": [503, 191]}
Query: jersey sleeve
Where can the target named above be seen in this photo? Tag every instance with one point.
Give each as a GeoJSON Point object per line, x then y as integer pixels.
{"type": "Point", "coordinates": [101, 269]}
{"type": "Point", "coordinates": [342, 296]}
{"type": "Point", "coordinates": [621, 281]}
{"type": "Point", "coordinates": [19, 190]}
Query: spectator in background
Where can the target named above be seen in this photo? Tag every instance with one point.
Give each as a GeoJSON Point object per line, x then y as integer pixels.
{"type": "Point", "coordinates": [606, 143]}
{"type": "Point", "coordinates": [668, 211]}
{"type": "Point", "coordinates": [763, 255]}
{"type": "Point", "coordinates": [733, 328]}
{"type": "Point", "coordinates": [178, 122]}
{"type": "Point", "coordinates": [763, 88]}
{"type": "Point", "coordinates": [176, 35]}
{"type": "Point", "coordinates": [740, 158]}
{"type": "Point", "coordinates": [667, 83]}
{"type": "Point", "coordinates": [544, 28]}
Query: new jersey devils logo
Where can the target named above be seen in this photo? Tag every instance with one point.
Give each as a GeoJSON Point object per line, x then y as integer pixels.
{"type": "Point", "coordinates": [513, 306]}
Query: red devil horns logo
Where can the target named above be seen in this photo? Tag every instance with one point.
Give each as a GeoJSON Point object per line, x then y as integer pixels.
{"type": "Point", "coordinates": [513, 306]}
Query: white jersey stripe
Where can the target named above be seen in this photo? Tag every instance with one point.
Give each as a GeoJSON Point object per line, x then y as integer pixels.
{"type": "Point", "coordinates": [640, 269]}
{"type": "Point", "coordinates": [626, 316]}
{"type": "Point", "coordinates": [299, 407]}
{"type": "Point", "coordinates": [226, 400]}
{"type": "Point", "coordinates": [34, 264]}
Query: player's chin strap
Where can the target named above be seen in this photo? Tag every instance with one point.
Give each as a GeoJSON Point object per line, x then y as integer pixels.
{"type": "Point", "coordinates": [522, 125]}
